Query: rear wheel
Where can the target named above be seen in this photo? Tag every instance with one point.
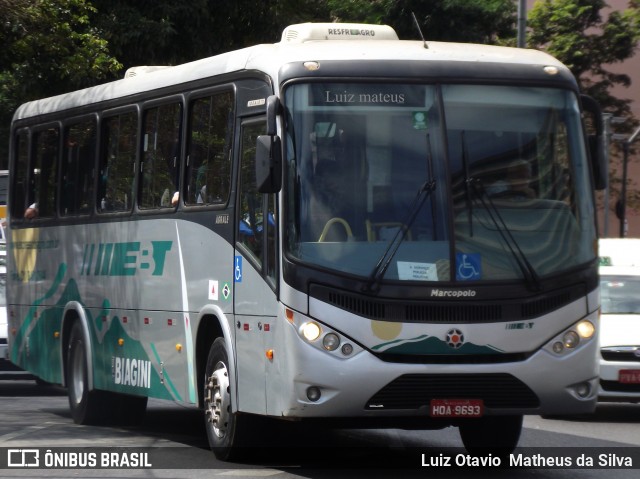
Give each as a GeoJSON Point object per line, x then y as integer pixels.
{"type": "Point", "coordinates": [497, 435]}
{"type": "Point", "coordinates": [225, 430]}
{"type": "Point", "coordinates": [87, 407]}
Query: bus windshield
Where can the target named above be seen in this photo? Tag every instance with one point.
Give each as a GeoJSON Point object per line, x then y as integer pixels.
{"type": "Point", "coordinates": [509, 193]}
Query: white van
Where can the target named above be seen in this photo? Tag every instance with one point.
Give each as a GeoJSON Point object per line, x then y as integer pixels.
{"type": "Point", "coordinates": [620, 320]}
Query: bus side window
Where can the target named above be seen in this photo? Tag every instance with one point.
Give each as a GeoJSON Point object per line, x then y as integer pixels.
{"type": "Point", "coordinates": [160, 156]}
{"type": "Point", "coordinates": [77, 167]}
{"type": "Point", "coordinates": [250, 211]}
{"type": "Point", "coordinates": [254, 206]}
{"type": "Point", "coordinates": [41, 196]}
{"type": "Point", "coordinates": [208, 177]}
{"type": "Point", "coordinates": [118, 156]}
{"type": "Point", "coordinates": [18, 201]}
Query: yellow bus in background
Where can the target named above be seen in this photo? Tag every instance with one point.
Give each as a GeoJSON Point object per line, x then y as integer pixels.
{"type": "Point", "coordinates": [4, 182]}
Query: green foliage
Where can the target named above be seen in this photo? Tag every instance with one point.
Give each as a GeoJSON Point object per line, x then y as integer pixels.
{"type": "Point", "coordinates": [575, 32]}
{"type": "Point", "coordinates": [53, 46]}
{"type": "Point", "coordinates": [49, 47]}
{"type": "Point", "coordinates": [148, 32]}
{"type": "Point", "coordinates": [478, 21]}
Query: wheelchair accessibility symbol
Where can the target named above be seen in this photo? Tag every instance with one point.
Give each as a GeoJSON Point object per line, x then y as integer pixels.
{"type": "Point", "coordinates": [237, 271]}
{"type": "Point", "coordinates": [468, 266]}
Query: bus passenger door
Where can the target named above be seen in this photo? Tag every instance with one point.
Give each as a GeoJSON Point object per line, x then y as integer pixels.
{"type": "Point", "coordinates": [255, 300]}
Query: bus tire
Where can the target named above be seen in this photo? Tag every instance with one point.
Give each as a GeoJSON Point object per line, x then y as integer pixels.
{"type": "Point", "coordinates": [87, 407]}
{"type": "Point", "coordinates": [224, 429]}
{"type": "Point", "coordinates": [497, 435]}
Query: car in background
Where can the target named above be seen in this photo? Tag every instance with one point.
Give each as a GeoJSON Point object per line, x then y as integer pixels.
{"type": "Point", "coordinates": [620, 320]}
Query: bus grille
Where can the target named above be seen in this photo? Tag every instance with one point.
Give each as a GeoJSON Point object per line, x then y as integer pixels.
{"type": "Point", "coordinates": [412, 391]}
{"type": "Point", "coordinates": [453, 358]}
{"type": "Point", "coordinates": [430, 311]}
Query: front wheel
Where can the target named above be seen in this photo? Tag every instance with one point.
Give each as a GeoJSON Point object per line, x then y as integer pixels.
{"type": "Point", "coordinates": [225, 430]}
{"type": "Point", "coordinates": [498, 435]}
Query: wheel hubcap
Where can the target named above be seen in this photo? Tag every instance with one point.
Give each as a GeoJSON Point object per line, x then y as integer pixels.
{"type": "Point", "coordinates": [77, 368]}
{"type": "Point", "coordinates": [217, 399]}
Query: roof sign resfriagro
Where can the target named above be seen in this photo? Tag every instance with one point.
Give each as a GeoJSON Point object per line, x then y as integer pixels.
{"type": "Point", "coordinates": [305, 32]}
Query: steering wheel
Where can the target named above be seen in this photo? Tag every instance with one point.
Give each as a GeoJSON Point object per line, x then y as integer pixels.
{"type": "Point", "coordinates": [330, 223]}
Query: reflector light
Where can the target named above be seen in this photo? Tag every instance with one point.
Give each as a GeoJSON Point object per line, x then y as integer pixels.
{"type": "Point", "coordinates": [289, 314]}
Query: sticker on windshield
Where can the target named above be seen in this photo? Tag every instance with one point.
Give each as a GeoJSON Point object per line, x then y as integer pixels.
{"type": "Point", "coordinates": [468, 266]}
{"type": "Point", "coordinates": [409, 271]}
{"type": "Point", "coordinates": [420, 120]}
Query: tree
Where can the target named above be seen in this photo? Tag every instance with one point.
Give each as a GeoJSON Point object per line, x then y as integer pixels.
{"type": "Point", "coordinates": [477, 21]}
{"type": "Point", "coordinates": [49, 47]}
{"type": "Point", "coordinates": [166, 32]}
{"type": "Point", "coordinates": [575, 32]}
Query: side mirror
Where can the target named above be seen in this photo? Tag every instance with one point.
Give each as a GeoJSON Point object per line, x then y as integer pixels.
{"type": "Point", "coordinates": [273, 108]}
{"type": "Point", "coordinates": [268, 164]}
{"type": "Point", "coordinates": [269, 153]}
{"type": "Point", "coordinates": [596, 143]}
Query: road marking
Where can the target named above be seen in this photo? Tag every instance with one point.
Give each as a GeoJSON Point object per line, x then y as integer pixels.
{"type": "Point", "coordinates": [251, 472]}
{"type": "Point", "coordinates": [28, 430]}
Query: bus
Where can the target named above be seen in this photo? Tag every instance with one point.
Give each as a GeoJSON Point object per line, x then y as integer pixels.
{"type": "Point", "coordinates": [4, 178]}
{"type": "Point", "coordinates": [341, 227]}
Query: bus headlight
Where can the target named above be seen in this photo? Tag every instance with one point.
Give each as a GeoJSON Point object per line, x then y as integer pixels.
{"type": "Point", "coordinates": [322, 336]}
{"type": "Point", "coordinates": [311, 331]}
{"type": "Point", "coordinates": [570, 339]}
{"type": "Point", "coordinates": [585, 329]}
{"type": "Point", "coordinates": [331, 342]}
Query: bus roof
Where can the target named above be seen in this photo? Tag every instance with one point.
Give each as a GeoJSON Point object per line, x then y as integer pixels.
{"type": "Point", "coordinates": [269, 58]}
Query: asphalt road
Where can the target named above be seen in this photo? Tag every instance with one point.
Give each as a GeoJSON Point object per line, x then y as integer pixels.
{"type": "Point", "coordinates": [36, 418]}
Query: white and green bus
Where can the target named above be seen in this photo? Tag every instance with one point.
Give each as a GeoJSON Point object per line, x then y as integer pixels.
{"type": "Point", "coordinates": [341, 225]}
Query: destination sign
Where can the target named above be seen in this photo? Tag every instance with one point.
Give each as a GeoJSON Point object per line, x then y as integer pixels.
{"type": "Point", "coordinates": [345, 94]}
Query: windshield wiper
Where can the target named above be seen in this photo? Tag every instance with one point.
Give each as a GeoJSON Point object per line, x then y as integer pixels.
{"type": "Point", "coordinates": [474, 187]}
{"type": "Point", "coordinates": [528, 271]}
{"type": "Point", "coordinates": [424, 192]}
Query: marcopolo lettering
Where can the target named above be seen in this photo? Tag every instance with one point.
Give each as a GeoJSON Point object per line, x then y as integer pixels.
{"type": "Point", "coordinates": [131, 372]}
{"type": "Point", "coordinates": [453, 293]}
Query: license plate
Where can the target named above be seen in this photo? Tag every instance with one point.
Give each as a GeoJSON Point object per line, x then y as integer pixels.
{"type": "Point", "coordinates": [456, 408]}
{"type": "Point", "coordinates": [629, 376]}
